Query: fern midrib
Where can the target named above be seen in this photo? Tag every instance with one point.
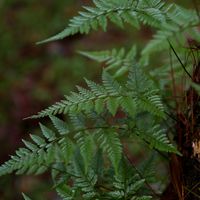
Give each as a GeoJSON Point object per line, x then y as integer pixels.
{"type": "Point", "coordinates": [130, 8]}
{"type": "Point", "coordinates": [103, 13]}
{"type": "Point", "coordinates": [67, 104]}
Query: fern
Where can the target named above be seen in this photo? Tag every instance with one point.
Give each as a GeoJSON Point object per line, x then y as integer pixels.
{"type": "Point", "coordinates": [41, 153]}
{"type": "Point", "coordinates": [111, 94]}
{"type": "Point", "coordinates": [156, 138]}
{"type": "Point", "coordinates": [127, 183]}
{"type": "Point", "coordinates": [65, 192]}
{"type": "Point", "coordinates": [86, 152]}
{"type": "Point", "coordinates": [60, 125]}
{"type": "Point", "coordinates": [118, 12]}
{"type": "Point", "coordinates": [86, 145]}
{"type": "Point", "coordinates": [25, 197]}
{"type": "Point", "coordinates": [110, 144]}
{"type": "Point", "coordinates": [84, 180]}
{"type": "Point", "coordinates": [118, 60]}
{"type": "Point", "coordinates": [181, 21]}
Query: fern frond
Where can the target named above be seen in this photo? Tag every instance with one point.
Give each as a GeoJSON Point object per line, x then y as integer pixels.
{"type": "Point", "coordinates": [126, 183]}
{"type": "Point", "coordinates": [25, 197]}
{"type": "Point", "coordinates": [86, 181]}
{"type": "Point", "coordinates": [110, 143]}
{"type": "Point", "coordinates": [117, 12]}
{"type": "Point", "coordinates": [112, 86]}
{"type": "Point", "coordinates": [141, 198]}
{"type": "Point", "coordinates": [98, 163]}
{"type": "Point", "coordinates": [146, 94]}
{"type": "Point", "coordinates": [126, 188]}
{"type": "Point", "coordinates": [86, 145]}
{"type": "Point", "coordinates": [112, 95]}
{"type": "Point", "coordinates": [151, 16]}
{"type": "Point", "coordinates": [65, 150]}
{"type": "Point", "coordinates": [39, 154]}
{"type": "Point", "coordinates": [65, 192]}
{"type": "Point", "coordinates": [85, 100]}
{"type": "Point", "coordinates": [138, 82]}
{"type": "Point", "coordinates": [26, 161]}
{"type": "Point", "coordinates": [60, 125]}
{"type": "Point", "coordinates": [77, 120]}
{"type": "Point", "coordinates": [114, 59]}
{"type": "Point", "coordinates": [156, 138]}
{"type": "Point", "coordinates": [180, 21]}
{"type": "Point", "coordinates": [151, 103]}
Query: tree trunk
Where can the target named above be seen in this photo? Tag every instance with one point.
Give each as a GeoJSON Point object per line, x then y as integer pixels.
{"type": "Point", "coordinates": [185, 170]}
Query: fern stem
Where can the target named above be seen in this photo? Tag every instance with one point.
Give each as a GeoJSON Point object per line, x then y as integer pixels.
{"type": "Point", "coordinates": [179, 59]}
{"type": "Point", "coordinates": [169, 115]}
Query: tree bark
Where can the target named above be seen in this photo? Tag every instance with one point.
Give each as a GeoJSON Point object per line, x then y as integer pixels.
{"type": "Point", "coordinates": [185, 170]}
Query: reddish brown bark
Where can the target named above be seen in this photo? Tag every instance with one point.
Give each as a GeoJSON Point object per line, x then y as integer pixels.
{"type": "Point", "coordinates": [185, 170]}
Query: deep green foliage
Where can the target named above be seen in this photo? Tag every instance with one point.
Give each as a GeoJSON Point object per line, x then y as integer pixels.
{"type": "Point", "coordinates": [87, 149]}
{"type": "Point", "coordinates": [133, 12]}
{"type": "Point", "coordinates": [139, 92]}
{"type": "Point", "coordinates": [119, 61]}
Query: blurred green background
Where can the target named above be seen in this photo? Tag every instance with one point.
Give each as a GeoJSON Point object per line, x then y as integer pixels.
{"type": "Point", "coordinates": [33, 77]}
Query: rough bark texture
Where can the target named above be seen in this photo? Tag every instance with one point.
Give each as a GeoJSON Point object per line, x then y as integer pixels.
{"type": "Point", "coordinates": [185, 170]}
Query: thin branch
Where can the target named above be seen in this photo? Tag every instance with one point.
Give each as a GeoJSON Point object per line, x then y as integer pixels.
{"type": "Point", "coordinates": [184, 68]}
{"type": "Point", "coordinates": [169, 115]}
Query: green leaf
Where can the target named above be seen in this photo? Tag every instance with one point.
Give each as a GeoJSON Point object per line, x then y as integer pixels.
{"type": "Point", "coordinates": [113, 104]}
{"type": "Point", "coordinates": [111, 85]}
{"type": "Point", "coordinates": [65, 192]}
{"type": "Point", "coordinates": [86, 144]}
{"type": "Point", "coordinates": [129, 105]}
{"type": "Point", "coordinates": [88, 106]}
{"type": "Point", "coordinates": [60, 125]}
{"type": "Point", "coordinates": [110, 143]}
{"type": "Point", "coordinates": [99, 105]}
{"type": "Point", "coordinates": [29, 145]}
{"type": "Point", "coordinates": [157, 138]}
{"type": "Point", "coordinates": [48, 133]}
{"type": "Point", "coordinates": [116, 19]}
{"type": "Point", "coordinates": [120, 72]}
{"type": "Point", "coordinates": [38, 140]}
{"type": "Point", "coordinates": [141, 198]}
{"type": "Point", "coordinates": [25, 197]}
{"type": "Point", "coordinates": [137, 185]}
{"type": "Point", "coordinates": [103, 22]}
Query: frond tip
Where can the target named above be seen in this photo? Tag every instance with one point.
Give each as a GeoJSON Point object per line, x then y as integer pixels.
{"type": "Point", "coordinates": [156, 138]}
{"type": "Point", "coordinates": [117, 12]}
